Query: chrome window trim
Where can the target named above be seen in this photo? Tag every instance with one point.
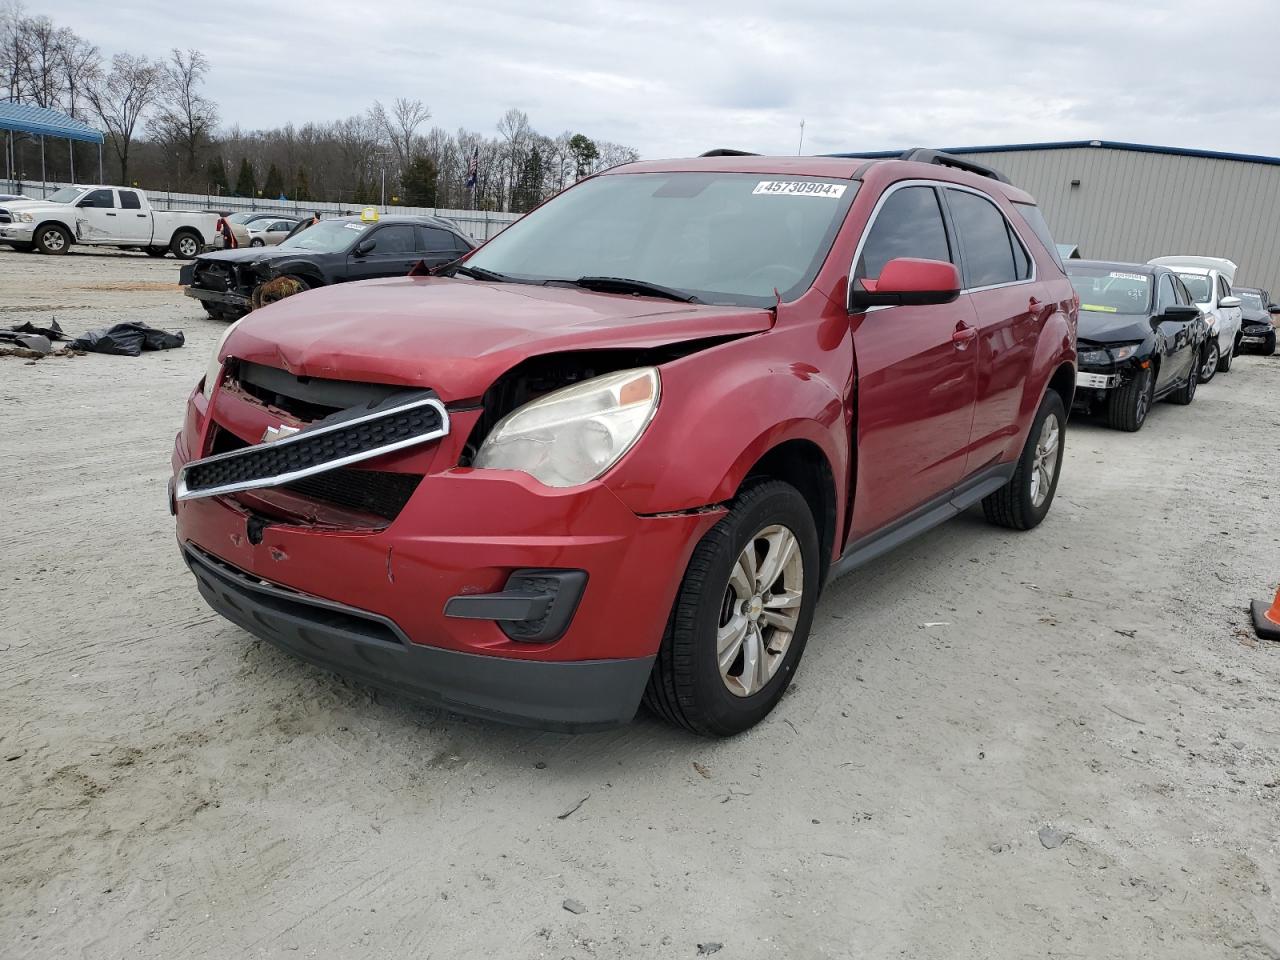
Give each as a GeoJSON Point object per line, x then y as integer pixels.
{"type": "Point", "coordinates": [939, 184]}
{"type": "Point", "coordinates": [181, 491]}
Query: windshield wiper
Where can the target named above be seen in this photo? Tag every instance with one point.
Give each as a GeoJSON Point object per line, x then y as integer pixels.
{"type": "Point", "coordinates": [454, 267]}
{"type": "Point", "coordinates": [624, 285]}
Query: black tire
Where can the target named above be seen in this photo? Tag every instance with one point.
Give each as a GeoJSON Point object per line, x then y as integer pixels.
{"type": "Point", "coordinates": [1224, 360]}
{"type": "Point", "coordinates": [1187, 392]}
{"type": "Point", "coordinates": [157, 251]}
{"type": "Point", "coordinates": [686, 687]}
{"type": "Point", "coordinates": [52, 238]}
{"type": "Point", "coordinates": [1209, 360]}
{"type": "Point", "coordinates": [1129, 404]}
{"type": "Point", "coordinates": [1013, 505]}
{"type": "Point", "coordinates": [185, 245]}
{"type": "Point", "coordinates": [256, 243]}
{"type": "Point", "coordinates": [219, 312]}
{"type": "Point", "coordinates": [1268, 347]}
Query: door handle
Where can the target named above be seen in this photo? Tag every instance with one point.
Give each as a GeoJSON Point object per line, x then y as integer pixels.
{"type": "Point", "coordinates": [110, 214]}
{"type": "Point", "coordinates": [963, 334]}
{"type": "Point", "coordinates": [1034, 304]}
{"type": "Point", "coordinates": [139, 214]}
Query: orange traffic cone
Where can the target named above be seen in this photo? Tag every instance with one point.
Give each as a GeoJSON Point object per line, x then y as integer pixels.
{"type": "Point", "coordinates": [1267, 620]}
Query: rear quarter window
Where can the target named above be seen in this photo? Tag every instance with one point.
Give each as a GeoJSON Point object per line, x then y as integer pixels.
{"type": "Point", "coordinates": [1034, 219]}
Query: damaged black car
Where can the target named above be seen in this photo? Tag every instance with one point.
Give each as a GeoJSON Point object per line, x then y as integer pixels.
{"type": "Point", "coordinates": [230, 283]}
{"type": "Point", "coordinates": [1257, 329]}
{"type": "Point", "coordinates": [1141, 338]}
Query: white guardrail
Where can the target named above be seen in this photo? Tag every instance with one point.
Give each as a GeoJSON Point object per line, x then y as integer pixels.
{"type": "Point", "coordinates": [477, 224]}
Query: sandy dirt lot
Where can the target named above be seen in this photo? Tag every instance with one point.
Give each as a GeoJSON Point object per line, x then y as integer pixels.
{"type": "Point", "coordinates": [172, 787]}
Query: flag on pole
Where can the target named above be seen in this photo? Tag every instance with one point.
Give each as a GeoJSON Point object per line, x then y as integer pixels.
{"type": "Point", "coordinates": [473, 168]}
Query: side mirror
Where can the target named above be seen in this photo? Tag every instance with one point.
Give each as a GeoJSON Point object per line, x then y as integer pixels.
{"type": "Point", "coordinates": [1181, 313]}
{"type": "Point", "coordinates": [907, 282]}
{"type": "Point", "coordinates": [365, 246]}
{"type": "Point", "coordinates": [1229, 302]}
{"type": "Point", "coordinates": [1273, 308]}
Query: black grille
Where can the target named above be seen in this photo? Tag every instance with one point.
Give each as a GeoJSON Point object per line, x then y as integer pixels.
{"type": "Point", "coordinates": [372, 491]}
{"type": "Point", "coordinates": [368, 435]}
{"type": "Point", "coordinates": [5, 217]}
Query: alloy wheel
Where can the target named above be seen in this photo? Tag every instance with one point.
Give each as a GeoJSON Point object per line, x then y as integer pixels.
{"type": "Point", "coordinates": [187, 247]}
{"type": "Point", "coordinates": [1210, 365]}
{"type": "Point", "coordinates": [54, 241]}
{"type": "Point", "coordinates": [1143, 403]}
{"type": "Point", "coordinates": [1044, 464]}
{"type": "Point", "coordinates": [760, 610]}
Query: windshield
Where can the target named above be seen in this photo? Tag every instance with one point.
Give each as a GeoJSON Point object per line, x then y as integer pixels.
{"type": "Point", "coordinates": [722, 237]}
{"type": "Point", "coordinates": [1103, 290]}
{"type": "Point", "coordinates": [1250, 299]}
{"type": "Point", "coordinates": [65, 195]}
{"type": "Point", "coordinates": [1198, 286]}
{"type": "Point", "coordinates": [331, 236]}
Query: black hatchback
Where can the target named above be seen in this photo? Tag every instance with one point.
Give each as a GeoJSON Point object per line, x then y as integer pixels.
{"type": "Point", "coordinates": [1141, 338]}
{"type": "Point", "coordinates": [1257, 329]}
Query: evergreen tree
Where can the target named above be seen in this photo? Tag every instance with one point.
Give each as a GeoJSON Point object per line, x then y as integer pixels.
{"type": "Point", "coordinates": [301, 185]}
{"type": "Point", "coordinates": [274, 185]}
{"type": "Point", "coordinates": [246, 185]}
{"type": "Point", "coordinates": [418, 182]}
{"type": "Point", "coordinates": [529, 191]}
{"type": "Point", "coordinates": [215, 172]}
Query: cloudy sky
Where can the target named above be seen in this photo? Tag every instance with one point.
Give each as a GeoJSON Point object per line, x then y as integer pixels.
{"type": "Point", "coordinates": [674, 77]}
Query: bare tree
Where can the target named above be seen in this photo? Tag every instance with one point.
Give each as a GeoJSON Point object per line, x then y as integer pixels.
{"type": "Point", "coordinates": [120, 98]}
{"type": "Point", "coordinates": [13, 49]}
{"type": "Point", "coordinates": [81, 65]}
{"type": "Point", "coordinates": [185, 118]}
{"type": "Point", "coordinates": [514, 130]}
{"type": "Point", "coordinates": [401, 125]}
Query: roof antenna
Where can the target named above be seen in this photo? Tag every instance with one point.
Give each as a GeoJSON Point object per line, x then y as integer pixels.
{"type": "Point", "coordinates": [801, 147]}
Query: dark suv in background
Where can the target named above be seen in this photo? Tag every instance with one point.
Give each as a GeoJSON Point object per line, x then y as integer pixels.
{"type": "Point", "coordinates": [1257, 326]}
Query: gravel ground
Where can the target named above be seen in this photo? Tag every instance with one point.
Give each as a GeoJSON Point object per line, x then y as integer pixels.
{"type": "Point", "coordinates": [174, 788]}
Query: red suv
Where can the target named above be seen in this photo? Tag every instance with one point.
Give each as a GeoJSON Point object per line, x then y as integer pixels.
{"type": "Point", "coordinates": [615, 453]}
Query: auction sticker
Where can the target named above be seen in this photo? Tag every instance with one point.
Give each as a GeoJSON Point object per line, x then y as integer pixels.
{"type": "Point", "coordinates": [800, 188]}
{"type": "Point", "coordinates": [1129, 276]}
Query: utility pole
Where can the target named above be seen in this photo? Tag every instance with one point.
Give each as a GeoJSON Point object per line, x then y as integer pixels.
{"type": "Point", "coordinates": [801, 147]}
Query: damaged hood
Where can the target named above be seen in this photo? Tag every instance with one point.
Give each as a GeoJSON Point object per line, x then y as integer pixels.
{"type": "Point", "coordinates": [1103, 327]}
{"type": "Point", "coordinates": [250, 254]}
{"type": "Point", "coordinates": [458, 336]}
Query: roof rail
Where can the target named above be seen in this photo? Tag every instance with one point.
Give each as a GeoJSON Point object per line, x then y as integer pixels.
{"type": "Point", "coordinates": [923, 155]}
{"type": "Point", "coordinates": [726, 152]}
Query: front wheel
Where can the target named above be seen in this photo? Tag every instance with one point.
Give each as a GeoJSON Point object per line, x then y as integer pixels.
{"type": "Point", "coordinates": [156, 251]}
{"type": "Point", "coordinates": [52, 239]}
{"type": "Point", "coordinates": [1209, 365]}
{"type": "Point", "coordinates": [1224, 360]}
{"type": "Point", "coordinates": [1023, 502]}
{"type": "Point", "coordinates": [1129, 403]}
{"type": "Point", "coordinates": [742, 615]}
{"type": "Point", "coordinates": [256, 243]}
{"type": "Point", "coordinates": [1269, 345]}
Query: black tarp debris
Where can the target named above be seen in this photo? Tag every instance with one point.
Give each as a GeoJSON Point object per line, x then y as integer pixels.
{"type": "Point", "coordinates": [128, 340]}
{"type": "Point", "coordinates": [30, 337]}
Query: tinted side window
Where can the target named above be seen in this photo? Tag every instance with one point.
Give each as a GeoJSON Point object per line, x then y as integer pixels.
{"type": "Point", "coordinates": [437, 241]}
{"type": "Point", "coordinates": [983, 235]}
{"type": "Point", "coordinates": [1184, 295]}
{"type": "Point", "coordinates": [397, 238]}
{"type": "Point", "coordinates": [1021, 259]}
{"type": "Point", "coordinates": [99, 198]}
{"type": "Point", "coordinates": [461, 245]}
{"type": "Point", "coordinates": [908, 225]}
{"type": "Point", "coordinates": [1165, 295]}
{"type": "Point", "coordinates": [129, 200]}
{"type": "Point", "coordinates": [1224, 290]}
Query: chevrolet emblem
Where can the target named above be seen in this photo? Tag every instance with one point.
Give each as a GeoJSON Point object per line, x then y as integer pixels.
{"type": "Point", "coordinates": [272, 434]}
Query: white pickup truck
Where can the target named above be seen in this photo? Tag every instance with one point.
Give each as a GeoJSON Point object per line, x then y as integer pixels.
{"type": "Point", "coordinates": [103, 216]}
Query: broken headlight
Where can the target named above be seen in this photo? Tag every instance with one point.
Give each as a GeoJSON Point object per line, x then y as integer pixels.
{"type": "Point", "coordinates": [215, 363]}
{"type": "Point", "coordinates": [574, 434]}
{"type": "Point", "coordinates": [23, 218]}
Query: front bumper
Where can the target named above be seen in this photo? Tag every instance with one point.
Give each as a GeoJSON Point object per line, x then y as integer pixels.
{"type": "Point", "coordinates": [17, 233]}
{"type": "Point", "coordinates": [570, 696]}
{"type": "Point", "coordinates": [462, 534]}
{"type": "Point", "coordinates": [218, 296]}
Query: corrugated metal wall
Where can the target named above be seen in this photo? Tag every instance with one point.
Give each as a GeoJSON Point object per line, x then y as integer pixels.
{"type": "Point", "coordinates": [1133, 206]}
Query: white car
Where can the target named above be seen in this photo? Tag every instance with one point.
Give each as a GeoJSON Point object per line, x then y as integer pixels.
{"type": "Point", "coordinates": [103, 216]}
{"type": "Point", "coordinates": [270, 231]}
{"type": "Point", "coordinates": [1209, 281]}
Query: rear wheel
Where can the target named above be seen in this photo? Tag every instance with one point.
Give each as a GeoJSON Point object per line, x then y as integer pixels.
{"type": "Point", "coordinates": [741, 617]}
{"type": "Point", "coordinates": [1023, 502]}
{"type": "Point", "coordinates": [52, 239]}
{"type": "Point", "coordinates": [1209, 361]}
{"type": "Point", "coordinates": [185, 245]}
{"type": "Point", "coordinates": [1129, 404]}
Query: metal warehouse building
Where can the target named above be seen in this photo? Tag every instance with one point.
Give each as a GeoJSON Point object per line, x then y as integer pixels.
{"type": "Point", "coordinates": [1132, 202]}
